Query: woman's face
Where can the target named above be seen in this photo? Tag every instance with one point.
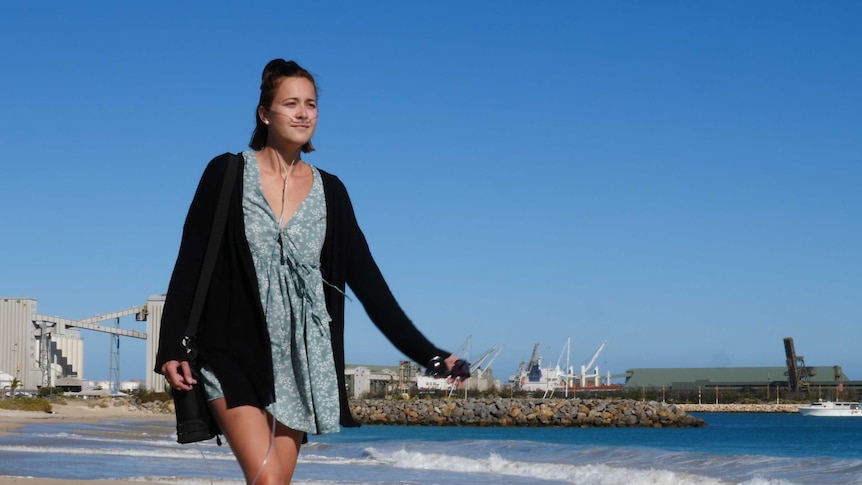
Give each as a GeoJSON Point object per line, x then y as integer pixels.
{"type": "Point", "coordinates": [292, 117]}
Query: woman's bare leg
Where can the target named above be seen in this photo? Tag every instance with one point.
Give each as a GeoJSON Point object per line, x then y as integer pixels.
{"type": "Point", "coordinates": [248, 431]}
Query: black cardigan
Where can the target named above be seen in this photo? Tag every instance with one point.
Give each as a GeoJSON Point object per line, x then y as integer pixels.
{"type": "Point", "coordinates": [232, 337]}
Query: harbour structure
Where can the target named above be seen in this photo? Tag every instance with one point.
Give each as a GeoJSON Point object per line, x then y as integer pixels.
{"type": "Point", "coordinates": [739, 378]}
{"type": "Point", "coordinates": [40, 350]}
{"type": "Point", "coordinates": [794, 376]}
{"type": "Point", "coordinates": [37, 349]}
{"type": "Point", "coordinates": [532, 376]}
{"type": "Point", "coordinates": [382, 380]}
{"type": "Point", "coordinates": [363, 380]}
{"type": "Point", "coordinates": [481, 376]}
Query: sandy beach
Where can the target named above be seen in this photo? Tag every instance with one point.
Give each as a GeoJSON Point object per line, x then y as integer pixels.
{"type": "Point", "coordinates": [80, 411]}
{"type": "Point", "coordinates": [77, 410]}
{"type": "Point", "coordinates": [55, 481]}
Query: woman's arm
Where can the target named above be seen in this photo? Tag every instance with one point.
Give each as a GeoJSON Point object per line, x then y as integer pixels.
{"type": "Point", "coordinates": [366, 280]}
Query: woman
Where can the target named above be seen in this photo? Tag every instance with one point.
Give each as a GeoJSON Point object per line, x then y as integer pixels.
{"type": "Point", "coordinates": [272, 332]}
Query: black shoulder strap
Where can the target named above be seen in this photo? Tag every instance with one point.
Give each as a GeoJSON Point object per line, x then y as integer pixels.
{"type": "Point", "coordinates": [216, 235]}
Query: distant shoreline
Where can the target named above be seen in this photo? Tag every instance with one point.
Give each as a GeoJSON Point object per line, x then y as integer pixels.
{"type": "Point", "coordinates": [62, 481]}
{"type": "Point", "coordinates": [76, 411]}
{"type": "Point", "coordinates": [739, 408]}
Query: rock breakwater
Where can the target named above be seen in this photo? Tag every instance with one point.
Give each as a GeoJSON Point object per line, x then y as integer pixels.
{"type": "Point", "coordinates": [739, 408]}
{"type": "Point", "coordinates": [510, 412]}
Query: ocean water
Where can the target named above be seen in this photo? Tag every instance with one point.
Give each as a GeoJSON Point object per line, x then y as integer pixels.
{"type": "Point", "coordinates": [751, 449]}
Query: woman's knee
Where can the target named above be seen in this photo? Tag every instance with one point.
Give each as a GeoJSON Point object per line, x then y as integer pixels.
{"type": "Point", "coordinates": [269, 456]}
{"type": "Point", "coordinates": [269, 477]}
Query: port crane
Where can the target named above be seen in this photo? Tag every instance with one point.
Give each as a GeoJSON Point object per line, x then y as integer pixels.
{"type": "Point", "coordinates": [798, 374]}
{"type": "Point", "coordinates": [478, 368]}
{"type": "Point", "coordinates": [47, 325]}
{"type": "Point", "coordinates": [533, 362]}
{"type": "Point", "coordinates": [566, 376]}
{"type": "Point", "coordinates": [585, 368]}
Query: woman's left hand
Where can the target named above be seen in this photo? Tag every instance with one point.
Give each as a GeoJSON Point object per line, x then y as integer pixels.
{"type": "Point", "coordinates": [459, 370]}
{"type": "Point", "coordinates": [456, 370]}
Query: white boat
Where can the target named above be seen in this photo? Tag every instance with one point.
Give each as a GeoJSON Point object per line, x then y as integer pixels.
{"type": "Point", "coordinates": [830, 408]}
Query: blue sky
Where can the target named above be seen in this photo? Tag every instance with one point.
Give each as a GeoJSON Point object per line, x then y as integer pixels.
{"type": "Point", "coordinates": [680, 179]}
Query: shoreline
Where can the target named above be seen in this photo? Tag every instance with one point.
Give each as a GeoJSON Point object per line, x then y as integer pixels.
{"type": "Point", "coordinates": [92, 411]}
{"type": "Point", "coordinates": [740, 408]}
{"type": "Point", "coordinates": [63, 481]}
{"type": "Point", "coordinates": [76, 411]}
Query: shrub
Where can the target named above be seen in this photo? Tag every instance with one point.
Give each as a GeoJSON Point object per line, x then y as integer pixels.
{"type": "Point", "coordinates": [153, 396]}
{"type": "Point", "coordinates": [26, 404]}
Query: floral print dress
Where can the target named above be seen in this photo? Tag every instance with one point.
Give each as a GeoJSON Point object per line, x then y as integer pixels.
{"type": "Point", "coordinates": [287, 263]}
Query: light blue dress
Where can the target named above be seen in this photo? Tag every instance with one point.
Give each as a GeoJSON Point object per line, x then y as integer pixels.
{"type": "Point", "coordinates": [287, 264]}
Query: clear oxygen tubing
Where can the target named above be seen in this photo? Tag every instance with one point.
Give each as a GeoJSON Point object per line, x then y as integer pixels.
{"type": "Point", "coordinates": [280, 222]}
{"type": "Point", "coordinates": [269, 296]}
{"type": "Point", "coordinates": [205, 459]}
{"type": "Point", "coordinates": [268, 453]}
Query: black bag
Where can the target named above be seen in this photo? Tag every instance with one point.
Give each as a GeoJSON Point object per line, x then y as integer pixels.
{"type": "Point", "coordinates": [195, 421]}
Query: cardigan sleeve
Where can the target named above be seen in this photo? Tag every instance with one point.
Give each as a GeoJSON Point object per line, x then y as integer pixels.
{"type": "Point", "coordinates": [366, 280]}
{"type": "Point", "coordinates": [183, 283]}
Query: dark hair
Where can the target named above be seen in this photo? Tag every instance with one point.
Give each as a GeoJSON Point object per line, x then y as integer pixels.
{"type": "Point", "coordinates": [274, 72]}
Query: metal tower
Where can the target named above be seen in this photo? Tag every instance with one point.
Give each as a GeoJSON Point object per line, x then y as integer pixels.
{"type": "Point", "coordinates": [798, 374]}
{"type": "Point", "coordinates": [114, 364]}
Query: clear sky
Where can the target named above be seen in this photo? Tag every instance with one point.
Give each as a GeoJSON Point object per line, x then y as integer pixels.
{"type": "Point", "coordinates": [681, 179]}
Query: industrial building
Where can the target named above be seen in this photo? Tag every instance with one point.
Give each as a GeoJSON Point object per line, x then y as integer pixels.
{"type": "Point", "coordinates": [727, 377]}
{"type": "Point", "coordinates": [45, 351]}
{"type": "Point", "coordinates": [38, 349]}
{"type": "Point", "coordinates": [362, 380]}
{"type": "Point", "coordinates": [795, 376]}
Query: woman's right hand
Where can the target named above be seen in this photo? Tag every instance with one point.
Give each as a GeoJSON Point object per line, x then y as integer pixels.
{"type": "Point", "coordinates": [179, 374]}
